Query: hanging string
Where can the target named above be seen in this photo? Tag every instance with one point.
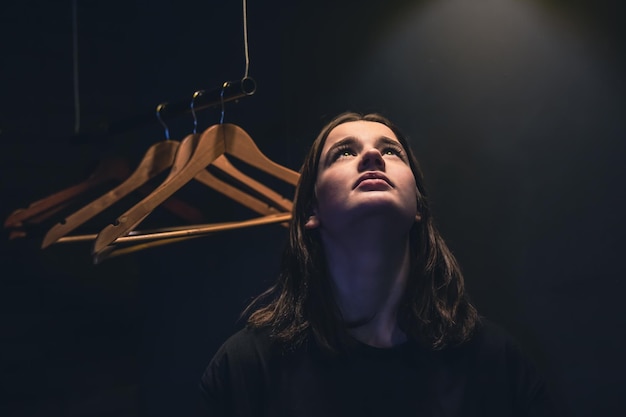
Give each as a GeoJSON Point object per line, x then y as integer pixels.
{"type": "Point", "coordinates": [245, 38]}
{"type": "Point", "coordinates": [75, 59]}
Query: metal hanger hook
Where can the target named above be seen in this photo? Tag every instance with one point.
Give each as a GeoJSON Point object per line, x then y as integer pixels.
{"type": "Point", "coordinates": [193, 110]}
{"type": "Point", "coordinates": [226, 84]}
{"type": "Point", "coordinates": [160, 108]}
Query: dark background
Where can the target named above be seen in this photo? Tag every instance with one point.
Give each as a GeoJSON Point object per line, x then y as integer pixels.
{"type": "Point", "coordinates": [516, 110]}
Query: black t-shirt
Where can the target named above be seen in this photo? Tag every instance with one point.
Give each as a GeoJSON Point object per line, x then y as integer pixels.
{"type": "Point", "coordinates": [252, 375]}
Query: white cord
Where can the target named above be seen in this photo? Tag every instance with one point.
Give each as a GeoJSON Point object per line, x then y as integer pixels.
{"type": "Point", "coordinates": [75, 58]}
{"type": "Point", "coordinates": [245, 38]}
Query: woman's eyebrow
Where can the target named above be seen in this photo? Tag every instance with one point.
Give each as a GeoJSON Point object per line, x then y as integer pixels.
{"type": "Point", "coordinates": [347, 141]}
{"type": "Point", "coordinates": [384, 140]}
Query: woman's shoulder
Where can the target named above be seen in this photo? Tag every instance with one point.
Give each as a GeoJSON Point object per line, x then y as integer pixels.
{"type": "Point", "coordinates": [498, 351]}
{"type": "Point", "coordinates": [247, 343]}
{"type": "Point", "coordinates": [239, 369]}
{"type": "Point", "coordinates": [493, 347]}
{"type": "Point", "coordinates": [490, 335]}
{"type": "Point", "coordinates": [243, 356]}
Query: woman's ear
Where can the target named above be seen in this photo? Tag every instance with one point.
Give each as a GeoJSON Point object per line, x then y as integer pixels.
{"type": "Point", "coordinates": [418, 218]}
{"type": "Point", "coordinates": [312, 222]}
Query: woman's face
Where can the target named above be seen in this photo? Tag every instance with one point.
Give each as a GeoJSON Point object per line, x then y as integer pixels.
{"type": "Point", "coordinates": [363, 170]}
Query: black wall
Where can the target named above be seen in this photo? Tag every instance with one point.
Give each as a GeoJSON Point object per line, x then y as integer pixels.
{"type": "Point", "coordinates": [516, 109]}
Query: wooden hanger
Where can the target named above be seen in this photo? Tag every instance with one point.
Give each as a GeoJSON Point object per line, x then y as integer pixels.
{"type": "Point", "coordinates": [223, 164]}
{"type": "Point", "coordinates": [152, 165]}
{"type": "Point", "coordinates": [149, 239]}
{"type": "Point", "coordinates": [108, 169]}
{"type": "Point", "coordinates": [185, 153]}
{"type": "Point", "coordinates": [217, 140]}
{"type": "Point", "coordinates": [146, 239]}
{"type": "Point", "coordinates": [159, 157]}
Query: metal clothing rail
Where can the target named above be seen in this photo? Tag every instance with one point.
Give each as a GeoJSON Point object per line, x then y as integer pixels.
{"type": "Point", "coordinates": [229, 91]}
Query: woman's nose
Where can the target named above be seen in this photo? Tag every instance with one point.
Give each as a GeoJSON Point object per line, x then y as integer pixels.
{"type": "Point", "coordinates": [372, 159]}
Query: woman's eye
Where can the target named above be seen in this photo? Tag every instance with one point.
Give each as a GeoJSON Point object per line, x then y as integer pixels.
{"type": "Point", "coordinates": [392, 151]}
{"type": "Point", "coordinates": [343, 152]}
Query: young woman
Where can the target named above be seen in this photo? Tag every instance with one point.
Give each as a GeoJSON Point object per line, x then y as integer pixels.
{"type": "Point", "coordinates": [369, 315]}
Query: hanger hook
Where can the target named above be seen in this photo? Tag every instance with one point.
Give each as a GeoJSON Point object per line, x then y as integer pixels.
{"type": "Point", "coordinates": [226, 84]}
{"type": "Point", "coordinates": [160, 108]}
{"type": "Point", "coordinates": [193, 110]}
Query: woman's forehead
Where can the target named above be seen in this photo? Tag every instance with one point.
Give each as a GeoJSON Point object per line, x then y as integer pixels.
{"type": "Point", "coordinates": [360, 129]}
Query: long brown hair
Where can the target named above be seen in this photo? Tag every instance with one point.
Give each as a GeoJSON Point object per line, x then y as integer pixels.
{"type": "Point", "coordinates": [435, 310]}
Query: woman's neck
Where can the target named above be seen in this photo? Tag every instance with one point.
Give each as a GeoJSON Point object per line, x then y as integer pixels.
{"type": "Point", "coordinates": [369, 277]}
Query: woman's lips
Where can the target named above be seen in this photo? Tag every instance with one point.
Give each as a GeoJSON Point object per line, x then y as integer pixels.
{"type": "Point", "coordinates": [373, 180]}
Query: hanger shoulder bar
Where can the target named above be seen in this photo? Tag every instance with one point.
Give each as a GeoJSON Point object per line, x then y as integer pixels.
{"type": "Point", "coordinates": [107, 170]}
{"type": "Point", "coordinates": [224, 165]}
{"type": "Point", "coordinates": [207, 150]}
{"type": "Point", "coordinates": [208, 179]}
{"type": "Point", "coordinates": [240, 145]}
{"type": "Point", "coordinates": [156, 159]}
